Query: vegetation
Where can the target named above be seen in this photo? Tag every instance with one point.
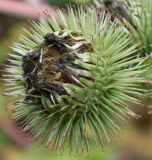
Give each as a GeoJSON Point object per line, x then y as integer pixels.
{"type": "Point", "coordinates": [81, 75]}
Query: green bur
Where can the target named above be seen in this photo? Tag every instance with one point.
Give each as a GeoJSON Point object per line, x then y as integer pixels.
{"type": "Point", "coordinates": [96, 101]}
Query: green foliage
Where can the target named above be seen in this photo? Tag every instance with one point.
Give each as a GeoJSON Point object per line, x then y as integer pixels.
{"type": "Point", "coordinates": [3, 103]}
{"type": "Point", "coordinates": [4, 140]}
{"type": "Point", "coordinates": [62, 3]}
{"type": "Point", "coordinates": [96, 154]}
{"type": "Point", "coordinates": [82, 1]}
{"type": "Point", "coordinates": [59, 2]}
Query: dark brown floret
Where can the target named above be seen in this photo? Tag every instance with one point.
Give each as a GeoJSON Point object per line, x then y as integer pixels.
{"type": "Point", "coordinates": [46, 69]}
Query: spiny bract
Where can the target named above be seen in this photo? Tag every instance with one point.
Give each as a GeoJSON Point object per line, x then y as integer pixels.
{"type": "Point", "coordinates": [73, 74]}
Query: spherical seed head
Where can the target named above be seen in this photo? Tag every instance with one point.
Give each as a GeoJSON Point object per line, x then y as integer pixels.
{"type": "Point", "coordinates": [72, 76]}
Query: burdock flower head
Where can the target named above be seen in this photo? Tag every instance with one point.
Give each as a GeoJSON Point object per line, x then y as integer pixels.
{"type": "Point", "coordinates": [71, 74]}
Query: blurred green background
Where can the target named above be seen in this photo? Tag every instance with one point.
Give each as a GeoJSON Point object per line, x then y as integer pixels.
{"type": "Point", "coordinates": [133, 143]}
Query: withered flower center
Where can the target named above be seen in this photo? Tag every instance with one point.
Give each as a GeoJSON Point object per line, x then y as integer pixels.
{"type": "Point", "coordinates": [47, 68]}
